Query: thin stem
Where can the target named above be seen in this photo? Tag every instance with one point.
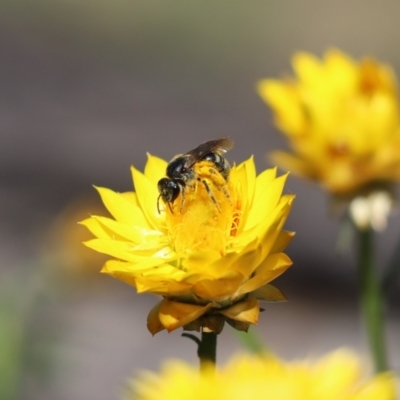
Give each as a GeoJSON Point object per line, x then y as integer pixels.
{"type": "Point", "coordinates": [207, 350]}
{"type": "Point", "coordinates": [371, 299]}
{"type": "Point", "coordinates": [251, 341]}
{"type": "Point", "coordinates": [392, 272]}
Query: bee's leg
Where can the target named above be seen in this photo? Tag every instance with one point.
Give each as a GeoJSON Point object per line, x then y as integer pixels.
{"type": "Point", "coordinates": [193, 186]}
{"type": "Point", "coordinates": [210, 194]}
{"type": "Point", "coordinates": [220, 185]}
{"type": "Point", "coordinates": [226, 192]}
{"type": "Point", "coordinates": [182, 200]}
{"type": "Point", "coordinates": [158, 205]}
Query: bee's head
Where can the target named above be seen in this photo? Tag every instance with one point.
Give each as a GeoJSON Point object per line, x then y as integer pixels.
{"type": "Point", "coordinates": [169, 189]}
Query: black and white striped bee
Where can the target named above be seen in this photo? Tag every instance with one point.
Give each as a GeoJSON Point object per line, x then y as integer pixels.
{"type": "Point", "coordinates": [181, 172]}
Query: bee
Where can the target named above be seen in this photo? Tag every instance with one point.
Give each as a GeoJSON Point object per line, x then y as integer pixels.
{"type": "Point", "coordinates": [181, 172]}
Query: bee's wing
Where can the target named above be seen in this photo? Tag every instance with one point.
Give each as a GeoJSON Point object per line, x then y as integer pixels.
{"type": "Point", "coordinates": [219, 146]}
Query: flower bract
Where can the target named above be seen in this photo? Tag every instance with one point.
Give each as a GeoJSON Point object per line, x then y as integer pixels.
{"type": "Point", "coordinates": [210, 259]}
{"type": "Point", "coordinates": [336, 376]}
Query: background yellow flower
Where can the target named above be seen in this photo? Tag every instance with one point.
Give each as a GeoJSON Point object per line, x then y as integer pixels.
{"type": "Point", "coordinates": [336, 376]}
{"type": "Point", "coordinates": [341, 118]}
{"type": "Point", "coordinates": [203, 259]}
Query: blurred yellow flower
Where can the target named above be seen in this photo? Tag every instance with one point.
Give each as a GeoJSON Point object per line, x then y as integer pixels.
{"type": "Point", "coordinates": [210, 263]}
{"type": "Point", "coordinates": [342, 121]}
{"type": "Point", "coordinates": [61, 245]}
{"type": "Point", "coordinates": [336, 376]}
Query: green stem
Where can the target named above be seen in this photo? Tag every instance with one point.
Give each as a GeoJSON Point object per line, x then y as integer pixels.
{"type": "Point", "coordinates": [251, 341]}
{"type": "Point", "coordinates": [371, 300]}
{"type": "Point", "coordinates": [392, 272]}
{"type": "Point", "coordinates": [207, 351]}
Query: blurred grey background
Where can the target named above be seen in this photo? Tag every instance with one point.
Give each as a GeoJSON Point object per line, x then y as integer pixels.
{"type": "Point", "coordinates": [87, 88]}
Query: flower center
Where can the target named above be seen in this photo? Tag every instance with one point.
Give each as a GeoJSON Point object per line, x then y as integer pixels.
{"type": "Point", "coordinates": [202, 217]}
{"type": "Point", "coordinates": [338, 149]}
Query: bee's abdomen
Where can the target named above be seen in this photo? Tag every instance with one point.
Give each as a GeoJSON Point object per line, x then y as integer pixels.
{"type": "Point", "coordinates": [220, 163]}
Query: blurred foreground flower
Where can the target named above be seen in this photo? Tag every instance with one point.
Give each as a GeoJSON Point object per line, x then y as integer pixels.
{"type": "Point", "coordinates": [337, 376]}
{"type": "Point", "coordinates": [343, 123]}
{"type": "Point", "coordinates": [211, 262]}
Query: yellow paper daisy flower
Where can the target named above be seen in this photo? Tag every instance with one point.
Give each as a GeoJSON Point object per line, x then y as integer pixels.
{"type": "Point", "coordinates": [342, 121]}
{"type": "Point", "coordinates": [336, 376]}
{"type": "Point", "coordinates": [211, 261]}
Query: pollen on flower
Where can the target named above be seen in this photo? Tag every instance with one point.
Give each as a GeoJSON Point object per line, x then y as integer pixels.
{"type": "Point", "coordinates": [202, 217]}
{"type": "Point", "coordinates": [235, 222]}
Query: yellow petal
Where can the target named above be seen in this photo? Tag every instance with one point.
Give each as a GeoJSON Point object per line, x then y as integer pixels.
{"type": "Point", "coordinates": [136, 234]}
{"type": "Point", "coordinates": [264, 179]}
{"type": "Point", "coordinates": [250, 170]}
{"type": "Point", "coordinates": [141, 238]}
{"type": "Point", "coordinates": [382, 387]}
{"type": "Point", "coordinates": [267, 230]}
{"type": "Point", "coordinates": [130, 196]}
{"type": "Point", "coordinates": [308, 68]}
{"type": "Point", "coordinates": [122, 250]}
{"type": "Point", "coordinates": [215, 269]}
{"type": "Point", "coordinates": [279, 217]}
{"type": "Point", "coordinates": [202, 262]}
{"type": "Point", "coordinates": [247, 260]}
{"type": "Point", "coordinates": [242, 178]}
{"type": "Point", "coordinates": [238, 325]}
{"type": "Point", "coordinates": [117, 269]}
{"type": "Point", "coordinates": [270, 269]}
{"type": "Point", "coordinates": [155, 168]}
{"type": "Point", "coordinates": [291, 163]}
{"type": "Point", "coordinates": [332, 376]}
{"type": "Point", "coordinates": [146, 275]}
{"type": "Point", "coordinates": [341, 70]}
{"type": "Point", "coordinates": [219, 288]}
{"type": "Point", "coordinates": [173, 314]}
{"type": "Point", "coordinates": [284, 99]}
{"type": "Point", "coordinates": [265, 201]}
{"type": "Point", "coordinates": [282, 241]}
{"type": "Point", "coordinates": [244, 311]}
{"type": "Point", "coordinates": [147, 194]}
{"type": "Point", "coordinates": [162, 287]}
{"type": "Point", "coordinates": [153, 321]}
{"type": "Point", "coordinates": [268, 292]}
{"type": "Point", "coordinates": [98, 230]}
{"type": "Point", "coordinates": [121, 208]}
{"type": "Point", "coordinates": [143, 266]}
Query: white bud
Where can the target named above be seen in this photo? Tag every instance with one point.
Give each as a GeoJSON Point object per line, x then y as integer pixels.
{"type": "Point", "coordinates": [371, 211]}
